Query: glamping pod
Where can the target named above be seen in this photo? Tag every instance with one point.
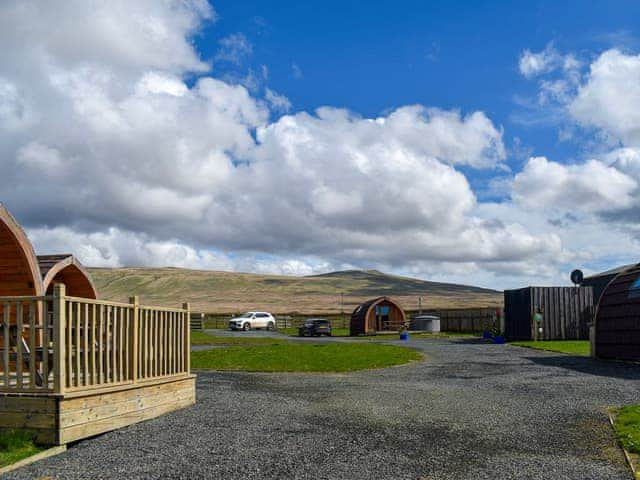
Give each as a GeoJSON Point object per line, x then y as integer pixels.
{"type": "Point", "coordinates": [19, 270]}
{"type": "Point", "coordinates": [68, 270]}
{"type": "Point", "coordinates": [85, 366]}
{"type": "Point", "coordinates": [22, 273]}
{"type": "Point", "coordinates": [381, 314]}
{"type": "Point", "coordinates": [617, 325]}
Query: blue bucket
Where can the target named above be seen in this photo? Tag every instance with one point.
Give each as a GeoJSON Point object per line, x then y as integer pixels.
{"type": "Point", "coordinates": [486, 335]}
{"type": "Point", "coordinates": [498, 339]}
{"type": "Point", "coordinates": [404, 336]}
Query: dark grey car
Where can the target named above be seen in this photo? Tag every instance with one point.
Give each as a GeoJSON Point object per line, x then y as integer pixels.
{"type": "Point", "coordinates": [315, 327]}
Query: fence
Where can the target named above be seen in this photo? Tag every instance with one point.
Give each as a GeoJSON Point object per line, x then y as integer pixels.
{"type": "Point", "coordinates": [61, 345]}
{"type": "Point", "coordinates": [562, 313]}
{"type": "Point", "coordinates": [451, 320]}
{"type": "Point", "coordinates": [466, 320]}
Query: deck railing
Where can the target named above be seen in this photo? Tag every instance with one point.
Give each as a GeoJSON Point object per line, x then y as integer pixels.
{"type": "Point", "coordinates": [63, 345]}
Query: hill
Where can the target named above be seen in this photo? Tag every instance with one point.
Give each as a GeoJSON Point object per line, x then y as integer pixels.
{"type": "Point", "coordinates": [229, 292]}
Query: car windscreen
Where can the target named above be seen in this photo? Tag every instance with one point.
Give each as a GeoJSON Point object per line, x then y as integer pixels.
{"type": "Point", "coordinates": [323, 323]}
{"type": "Point", "coordinates": [246, 315]}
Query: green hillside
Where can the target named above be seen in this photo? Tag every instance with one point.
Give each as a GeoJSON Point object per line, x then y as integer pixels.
{"type": "Point", "coordinates": [227, 292]}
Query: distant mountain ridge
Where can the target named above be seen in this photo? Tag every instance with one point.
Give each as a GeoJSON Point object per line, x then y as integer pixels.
{"type": "Point", "coordinates": [333, 292]}
{"type": "Point", "coordinates": [406, 284]}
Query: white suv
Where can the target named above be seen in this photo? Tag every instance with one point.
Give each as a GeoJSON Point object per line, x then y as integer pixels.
{"type": "Point", "coordinates": [250, 320]}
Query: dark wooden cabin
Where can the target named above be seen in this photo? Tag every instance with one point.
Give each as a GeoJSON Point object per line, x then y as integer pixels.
{"type": "Point", "coordinates": [599, 281]}
{"type": "Point", "coordinates": [381, 314]}
{"type": "Point", "coordinates": [565, 313]}
{"type": "Point", "coordinates": [617, 325]}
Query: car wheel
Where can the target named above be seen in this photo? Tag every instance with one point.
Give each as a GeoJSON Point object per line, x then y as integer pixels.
{"type": "Point", "coordinates": [270, 326]}
{"type": "Point", "coordinates": [246, 327]}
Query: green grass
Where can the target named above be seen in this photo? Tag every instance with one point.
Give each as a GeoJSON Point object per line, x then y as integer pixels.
{"type": "Point", "coordinates": [307, 357]}
{"type": "Point", "coordinates": [203, 338]}
{"type": "Point", "coordinates": [627, 426]}
{"type": "Point", "coordinates": [572, 347]}
{"type": "Point", "coordinates": [16, 445]}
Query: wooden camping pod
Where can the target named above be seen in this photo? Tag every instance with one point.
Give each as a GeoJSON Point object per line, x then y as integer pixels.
{"type": "Point", "coordinates": [22, 273]}
{"type": "Point", "coordinates": [68, 270]}
{"type": "Point", "coordinates": [617, 324]}
{"type": "Point", "coordinates": [19, 270]}
{"type": "Point", "coordinates": [380, 314]}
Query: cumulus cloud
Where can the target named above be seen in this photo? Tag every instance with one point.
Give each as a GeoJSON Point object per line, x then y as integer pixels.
{"type": "Point", "coordinates": [590, 186]}
{"type": "Point", "coordinates": [610, 98]}
{"type": "Point", "coordinates": [144, 157]}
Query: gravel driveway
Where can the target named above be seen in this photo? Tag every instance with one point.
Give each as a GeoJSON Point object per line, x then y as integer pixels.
{"type": "Point", "coordinates": [470, 410]}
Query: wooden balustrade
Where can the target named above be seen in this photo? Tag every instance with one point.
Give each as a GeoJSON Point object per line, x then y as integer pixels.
{"type": "Point", "coordinates": [63, 345]}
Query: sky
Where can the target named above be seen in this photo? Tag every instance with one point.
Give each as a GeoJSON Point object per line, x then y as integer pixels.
{"type": "Point", "coordinates": [487, 143]}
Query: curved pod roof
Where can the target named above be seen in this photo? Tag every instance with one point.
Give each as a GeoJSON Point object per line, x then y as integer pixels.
{"type": "Point", "coordinates": [68, 270]}
{"type": "Point", "coordinates": [361, 318]}
{"type": "Point", "coordinates": [617, 320]}
{"type": "Point", "coordinates": [22, 273]}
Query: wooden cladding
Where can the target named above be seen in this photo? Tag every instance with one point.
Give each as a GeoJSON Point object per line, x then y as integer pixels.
{"type": "Point", "coordinates": [22, 273]}
{"type": "Point", "coordinates": [563, 313]}
{"type": "Point", "coordinates": [60, 344]}
{"type": "Point", "coordinates": [617, 326]}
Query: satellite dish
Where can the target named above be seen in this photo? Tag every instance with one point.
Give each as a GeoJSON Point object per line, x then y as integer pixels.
{"type": "Point", "coordinates": [577, 277]}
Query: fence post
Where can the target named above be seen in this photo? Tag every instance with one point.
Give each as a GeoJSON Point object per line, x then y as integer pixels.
{"type": "Point", "coordinates": [59, 347]}
{"type": "Point", "coordinates": [187, 337]}
{"type": "Point", "coordinates": [133, 352]}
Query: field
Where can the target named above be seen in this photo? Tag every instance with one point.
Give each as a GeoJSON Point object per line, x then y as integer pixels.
{"type": "Point", "coordinates": [227, 292]}
{"type": "Point", "coordinates": [627, 427]}
{"type": "Point", "coordinates": [572, 347]}
{"type": "Point", "coordinates": [307, 357]}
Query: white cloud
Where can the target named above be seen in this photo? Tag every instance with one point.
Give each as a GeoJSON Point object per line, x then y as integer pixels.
{"type": "Point", "coordinates": [591, 186]}
{"type": "Point", "coordinates": [143, 163]}
{"type": "Point", "coordinates": [278, 102]}
{"type": "Point", "coordinates": [234, 49]}
{"type": "Point", "coordinates": [532, 64]}
{"type": "Point", "coordinates": [610, 98]}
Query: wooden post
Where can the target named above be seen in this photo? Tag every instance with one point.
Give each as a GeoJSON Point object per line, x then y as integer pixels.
{"type": "Point", "coordinates": [59, 350]}
{"type": "Point", "coordinates": [133, 348]}
{"type": "Point", "coordinates": [187, 337]}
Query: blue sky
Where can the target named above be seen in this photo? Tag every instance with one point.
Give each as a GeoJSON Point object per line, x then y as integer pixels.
{"type": "Point", "coordinates": [371, 57]}
{"type": "Point", "coordinates": [491, 143]}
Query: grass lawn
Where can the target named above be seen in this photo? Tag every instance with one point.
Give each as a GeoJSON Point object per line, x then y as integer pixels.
{"type": "Point", "coordinates": [627, 426]}
{"type": "Point", "coordinates": [308, 357]}
{"type": "Point", "coordinates": [203, 338]}
{"type": "Point", "coordinates": [16, 445]}
{"type": "Point", "coordinates": [572, 347]}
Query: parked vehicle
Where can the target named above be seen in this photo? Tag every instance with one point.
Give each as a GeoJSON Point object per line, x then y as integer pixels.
{"type": "Point", "coordinates": [315, 327]}
{"type": "Point", "coordinates": [250, 320]}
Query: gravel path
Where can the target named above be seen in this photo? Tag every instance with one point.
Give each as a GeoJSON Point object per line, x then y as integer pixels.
{"type": "Point", "coordinates": [469, 411]}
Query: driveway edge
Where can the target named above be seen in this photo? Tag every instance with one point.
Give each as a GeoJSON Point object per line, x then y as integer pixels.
{"type": "Point", "coordinates": [627, 455]}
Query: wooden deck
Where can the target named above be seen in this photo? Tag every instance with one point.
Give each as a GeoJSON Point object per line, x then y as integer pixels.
{"type": "Point", "coordinates": [75, 367]}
